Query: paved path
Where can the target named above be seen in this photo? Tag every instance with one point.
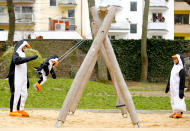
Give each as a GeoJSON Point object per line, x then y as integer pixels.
{"type": "Point", "coordinates": [154, 93]}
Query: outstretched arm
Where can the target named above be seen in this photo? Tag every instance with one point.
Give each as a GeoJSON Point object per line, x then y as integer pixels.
{"type": "Point", "coordinates": [20, 60]}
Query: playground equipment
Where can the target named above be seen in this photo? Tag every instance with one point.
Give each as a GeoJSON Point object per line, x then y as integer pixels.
{"type": "Point", "coordinates": [101, 44]}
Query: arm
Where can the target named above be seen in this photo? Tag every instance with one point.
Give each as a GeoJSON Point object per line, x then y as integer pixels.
{"type": "Point", "coordinates": [168, 86]}
{"type": "Point", "coordinates": [53, 73]}
{"type": "Point", "coordinates": [20, 60]}
{"type": "Point", "coordinates": [182, 83]}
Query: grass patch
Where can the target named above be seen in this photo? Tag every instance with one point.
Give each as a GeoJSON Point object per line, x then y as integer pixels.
{"type": "Point", "coordinates": [96, 96]}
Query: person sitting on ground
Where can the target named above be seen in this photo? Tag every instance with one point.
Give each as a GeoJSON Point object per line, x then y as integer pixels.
{"type": "Point", "coordinates": [44, 69]}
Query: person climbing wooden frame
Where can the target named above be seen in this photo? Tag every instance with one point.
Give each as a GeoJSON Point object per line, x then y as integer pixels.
{"type": "Point", "coordinates": [87, 66]}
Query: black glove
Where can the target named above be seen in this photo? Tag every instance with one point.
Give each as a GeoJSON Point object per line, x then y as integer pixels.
{"type": "Point", "coordinates": [33, 57]}
{"type": "Point", "coordinates": [181, 94]}
{"type": "Point", "coordinates": [167, 89]}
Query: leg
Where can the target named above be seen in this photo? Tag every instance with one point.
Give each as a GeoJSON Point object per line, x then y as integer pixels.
{"type": "Point", "coordinates": [24, 95]}
{"type": "Point", "coordinates": [42, 80]}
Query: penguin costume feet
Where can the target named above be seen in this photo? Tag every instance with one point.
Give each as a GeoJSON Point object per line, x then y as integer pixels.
{"type": "Point", "coordinates": [23, 113]}
{"type": "Point", "coordinates": [15, 114]}
{"type": "Point", "coordinates": [37, 86]}
{"type": "Point", "coordinates": [176, 116]}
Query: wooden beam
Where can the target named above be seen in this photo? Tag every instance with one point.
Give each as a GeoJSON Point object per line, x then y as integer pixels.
{"type": "Point", "coordinates": [92, 53]}
{"type": "Point", "coordinates": [125, 94]}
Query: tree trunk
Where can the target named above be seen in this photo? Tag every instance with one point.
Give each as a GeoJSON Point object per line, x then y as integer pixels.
{"type": "Point", "coordinates": [144, 57]}
{"type": "Point", "coordinates": [11, 22]}
{"type": "Point", "coordinates": [102, 69]}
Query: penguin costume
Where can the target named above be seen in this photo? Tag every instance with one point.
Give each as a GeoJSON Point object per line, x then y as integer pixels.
{"type": "Point", "coordinates": [18, 79]}
{"type": "Point", "coordinates": [176, 85]}
{"type": "Point", "coordinates": [44, 69]}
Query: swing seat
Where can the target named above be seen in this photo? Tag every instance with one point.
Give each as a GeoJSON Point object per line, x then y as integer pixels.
{"type": "Point", "coordinates": [120, 105]}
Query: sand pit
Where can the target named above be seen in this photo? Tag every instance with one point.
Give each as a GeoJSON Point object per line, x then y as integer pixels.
{"type": "Point", "coordinates": [84, 119]}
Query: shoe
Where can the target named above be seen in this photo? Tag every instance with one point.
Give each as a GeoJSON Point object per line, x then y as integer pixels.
{"type": "Point", "coordinates": [171, 116]}
{"type": "Point", "coordinates": [37, 86]}
{"type": "Point", "coordinates": [16, 114]}
{"type": "Point", "coordinates": [23, 113]}
{"type": "Point", "coordinates": [177, 116]}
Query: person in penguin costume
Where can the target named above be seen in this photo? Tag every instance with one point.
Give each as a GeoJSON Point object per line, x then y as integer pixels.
{"type": "Point", "coordinates": [44, 69]}
{"type": "Point", "coordinates": [18, 79]}
{"type": "Point", "coordinates": [176, 85]}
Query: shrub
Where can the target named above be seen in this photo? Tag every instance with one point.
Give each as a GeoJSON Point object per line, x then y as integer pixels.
{"type": "Point", "coordinates": [5, 61]}
{"type": "Point", "coordinates": [128, 53]}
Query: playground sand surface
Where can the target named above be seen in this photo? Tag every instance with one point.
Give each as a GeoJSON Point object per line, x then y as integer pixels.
{"type": "Point", "coordinates": [84, 120]}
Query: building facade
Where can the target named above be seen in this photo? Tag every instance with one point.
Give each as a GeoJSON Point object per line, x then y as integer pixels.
{"type": "Point", "coordinates": [182, 20]}
{"type": "Point", "coordinates": [129, 18]}
{"type": "Point", "coordinates": [46, 19]}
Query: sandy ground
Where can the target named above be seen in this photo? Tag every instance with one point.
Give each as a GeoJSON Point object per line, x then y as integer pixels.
{"type": "Point", "coordinates": [84, 119]}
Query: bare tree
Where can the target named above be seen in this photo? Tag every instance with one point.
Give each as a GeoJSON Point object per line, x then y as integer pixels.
{"type": "Point", "coordinates": [11, 22]}
{"type": "Point", "coordinates": [144, 57]}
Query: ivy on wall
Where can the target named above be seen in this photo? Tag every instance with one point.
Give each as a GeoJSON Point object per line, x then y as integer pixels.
{"type": "Point", "coordinates": [128, 53]}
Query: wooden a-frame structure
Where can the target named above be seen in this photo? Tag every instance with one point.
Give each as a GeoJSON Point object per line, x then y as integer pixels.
{"type": "Point", "coordinates": [101, 45]}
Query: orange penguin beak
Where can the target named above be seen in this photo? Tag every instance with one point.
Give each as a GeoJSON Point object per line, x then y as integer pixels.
{"type": "Point", "coordinates": [28, 46]}
{"type": "Point", "coordinates": [175, 59]}
{"type": "Point", "coordinates": [56, 63]}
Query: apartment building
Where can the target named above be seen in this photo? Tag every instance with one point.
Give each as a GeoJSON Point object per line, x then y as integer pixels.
{"type": "Point", "coordinates": [182, 20]}
{"type": "Point", "coordinates": [129, 18]}
{"type": "Point", "coordinates": [47, 19]}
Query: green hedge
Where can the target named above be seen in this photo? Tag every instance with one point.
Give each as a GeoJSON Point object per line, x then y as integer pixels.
{"type": "Point", "coordinates": [128, 53]}
{"type": "Point", "coordinates": [5, 61]}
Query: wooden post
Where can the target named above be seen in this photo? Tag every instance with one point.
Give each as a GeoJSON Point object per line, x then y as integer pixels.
{"type": "Point", "coordinates": [92, 53]}
{"type": "Point", "coordinates": [126, 96]}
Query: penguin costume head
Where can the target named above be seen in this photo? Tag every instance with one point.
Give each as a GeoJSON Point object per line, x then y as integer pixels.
{"type": "Point", "coordinates": [21, 45]}
{"type": "Point", "coordinates": [178, 59]}
{"type": "Point", "coordinates": [53, 60]}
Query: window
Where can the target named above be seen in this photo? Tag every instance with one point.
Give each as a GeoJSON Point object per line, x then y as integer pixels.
{"type": "Point", "coordinates": [23, 9]}
{"type": "Point", "coordinates": [53, 3]}
{"type": "Point", "coordinates": [71, 13]}
{"type": "Point", "coordinates": [133, 28]}
{"type": "Point", "coordinates": [157, 37]}
{"type": "Point", "coordinates": [2, 8]}
{"type": "Point", "coordinates": [157, 17]}
{"type": "Point", "coordinates": [181, 19]}
{"type": "Point", "coordinates": [111, 37]}
{"type": "Point", "coordinates": [133, 6]}
{"type": "Point", "coordinates": [179, 38]}
{"type": "Point", "coordinates": [27, 9]}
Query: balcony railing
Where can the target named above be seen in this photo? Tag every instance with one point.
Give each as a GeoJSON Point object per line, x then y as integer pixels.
{"type": "Point", "coordinates": [4, 19]}
{"type": "Point", "coordinates": [157, 26]}
{"type": "Point", "coordinates": [21, 18]}
{"type": "Point", "coordinates": [24, 18]}
{"type": "Point", "coordinates": [158, 4]}
{"type": "Point", "coordinates": [182, 28]}
{"type": "Point", "coordinates": [67, 3]}
{"type": "Point", "coordinates": [17, 1]}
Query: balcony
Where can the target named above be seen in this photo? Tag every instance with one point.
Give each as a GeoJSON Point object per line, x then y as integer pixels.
{"type": "Point", "coordinates": [160, 27]}
{"type": "Point", "coordinates": [4, 19]}
{"type": "Point", "coordinates": [67, 3]}
{"type": "Point", "coordinates": [182, 28]}
{"type": "Point", "coordinates": [20, 1]}
{"type": "Point", "coordinates": [24, 18]}
{"type": "Point", "coordinates": [63, 24]}
{"type": "Point", "coordinates": [21, 18]}
{"type": "Point", "coordinates": [157, 5]}
{"type": "Point", "coordinates": [119, 28]}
